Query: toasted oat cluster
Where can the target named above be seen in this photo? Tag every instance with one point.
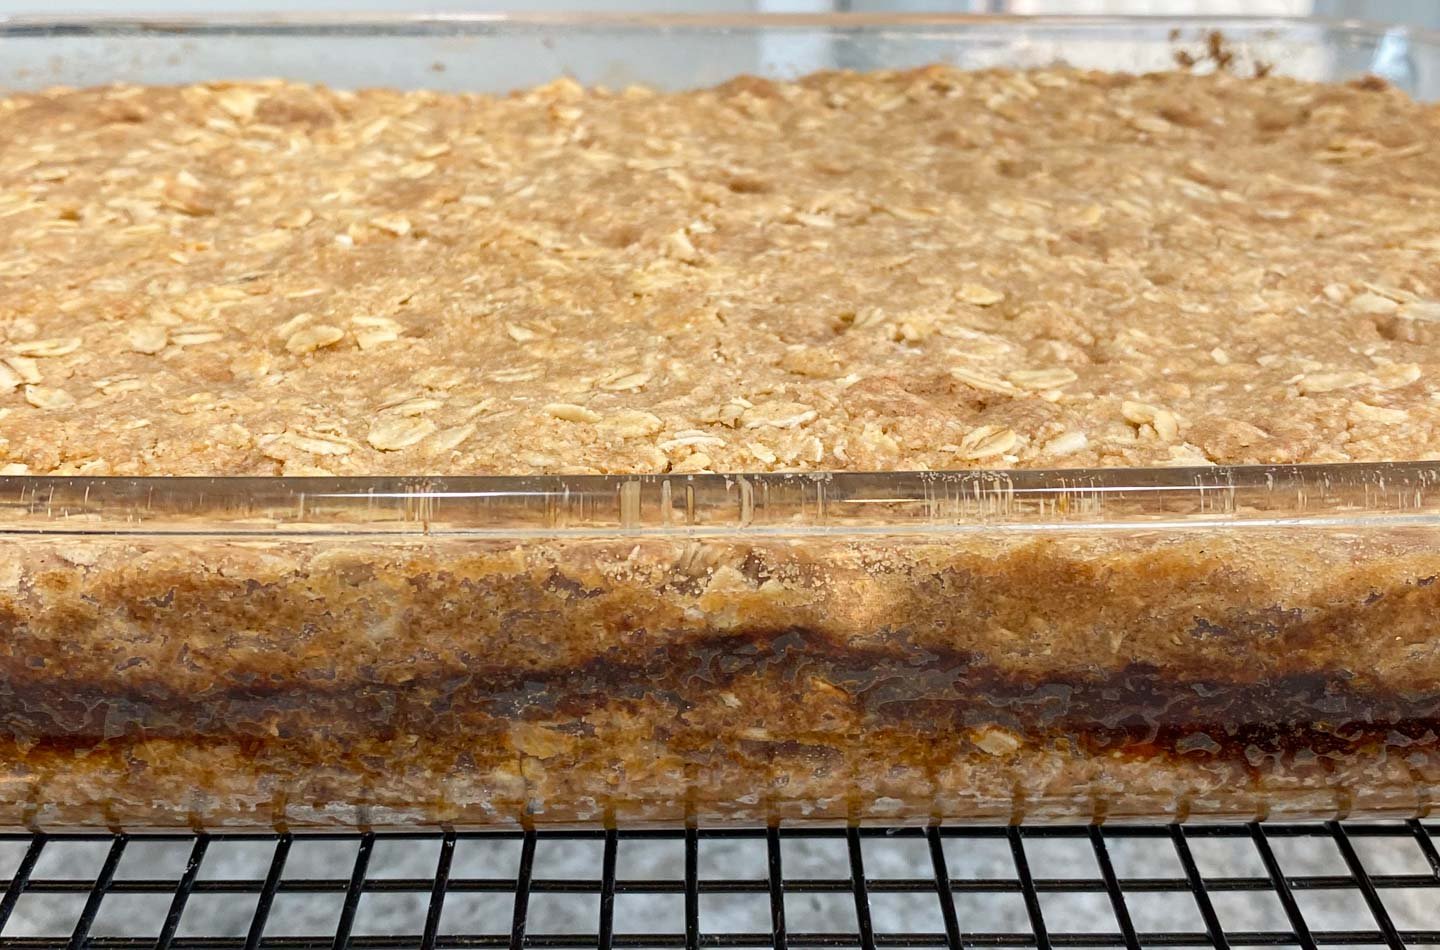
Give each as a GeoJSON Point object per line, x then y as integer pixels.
{"type": "Point", "coordinates": [902, 270]}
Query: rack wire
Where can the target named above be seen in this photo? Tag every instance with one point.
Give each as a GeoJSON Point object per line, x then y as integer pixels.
{"type": "Point", "coordinates": [1334, 884]}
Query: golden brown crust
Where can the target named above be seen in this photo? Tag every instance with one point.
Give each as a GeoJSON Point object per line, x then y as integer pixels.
{"type": "Point", "coordinates": [928, 269]}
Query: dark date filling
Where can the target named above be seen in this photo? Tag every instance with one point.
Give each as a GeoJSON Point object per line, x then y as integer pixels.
{"type": "Point", "coordinates": [785, 691]}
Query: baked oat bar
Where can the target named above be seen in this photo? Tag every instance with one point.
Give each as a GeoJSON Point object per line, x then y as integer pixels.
{"type": "Point", "coordinates": [890, 272]}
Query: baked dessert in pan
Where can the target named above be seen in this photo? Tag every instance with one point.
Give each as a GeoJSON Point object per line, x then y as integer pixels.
{"type": "Point", "coordinates": [929, 270]}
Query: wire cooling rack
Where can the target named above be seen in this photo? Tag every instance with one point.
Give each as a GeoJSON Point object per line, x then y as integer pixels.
{"type": "Point", "coordinates": [1306, 885]}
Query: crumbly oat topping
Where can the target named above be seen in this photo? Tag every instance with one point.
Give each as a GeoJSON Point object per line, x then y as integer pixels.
{"type": "Point", "coordinates": [926, 269]}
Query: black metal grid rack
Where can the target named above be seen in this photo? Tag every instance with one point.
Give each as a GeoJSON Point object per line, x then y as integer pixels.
{"type": "Point", "coordinates": [1072, 886]}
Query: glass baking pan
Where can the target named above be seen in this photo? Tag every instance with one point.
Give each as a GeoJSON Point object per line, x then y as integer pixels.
{"type": "Point", "coordinates": [897, 647]}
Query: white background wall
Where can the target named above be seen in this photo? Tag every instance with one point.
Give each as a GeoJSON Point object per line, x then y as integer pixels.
{"type": "Point", "coordinates": [1426, 12]}
{"type": "Point", "coordinates": [1018, 6]}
